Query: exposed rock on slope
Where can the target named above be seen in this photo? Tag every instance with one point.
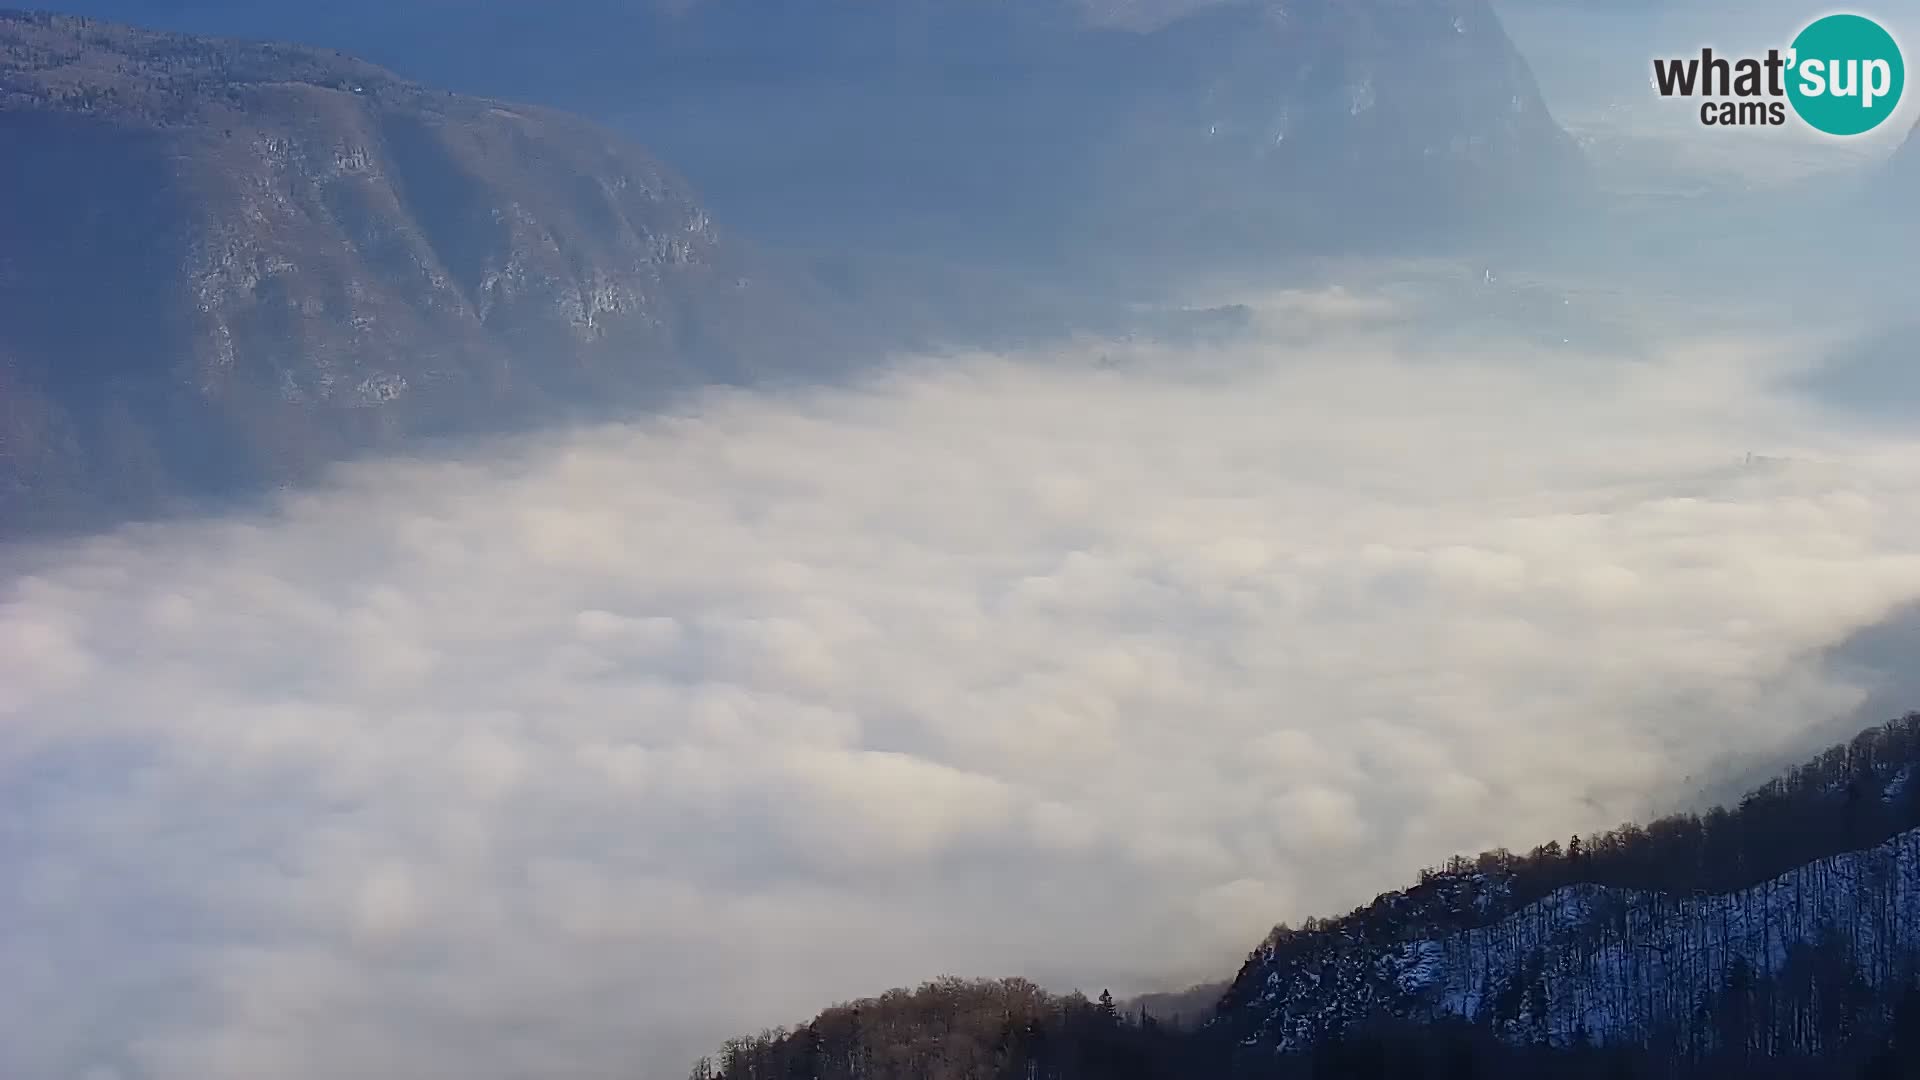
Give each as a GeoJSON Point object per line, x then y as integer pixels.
{"type": "Point", "coordinates": [1033, 126]}
{"type": "Point", "coordinates": [1198, 126]}
{"type": "Point", "coordinates": [1340, 120]}
{"type": "Point", "coordinates": [223, 263]}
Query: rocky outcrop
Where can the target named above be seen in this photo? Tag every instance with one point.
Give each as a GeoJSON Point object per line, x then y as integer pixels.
{"type": "Point", "coordinates": [223, 264]}
{"type": "Point", "coordinates": [1033, 128]}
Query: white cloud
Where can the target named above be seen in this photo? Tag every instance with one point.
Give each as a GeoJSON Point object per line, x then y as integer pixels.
{"type": "Point", "coordinates": [575, 755]}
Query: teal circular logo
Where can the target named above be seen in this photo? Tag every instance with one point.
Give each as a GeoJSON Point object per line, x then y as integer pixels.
{"type": "Point", "coordinates": [1845, 74]}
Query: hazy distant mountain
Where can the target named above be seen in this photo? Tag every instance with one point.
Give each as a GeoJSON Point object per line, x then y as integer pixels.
{"type": "Point", "coordinates": [307, 255]}
{"type": "Point", "coordinates": [996, 126]}
{"type": "Point", "coordinates": [1189, 1008]}
{"type": "Point", "coordinates": [222, 263]}
{"type": "Point", "coordinates": [1904, 168]}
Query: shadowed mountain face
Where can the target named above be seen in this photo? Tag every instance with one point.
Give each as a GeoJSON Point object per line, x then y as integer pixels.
{"type": "Point", "coordinates": [1044, 127]}
{"type": "Point", "coordinates": [221, 264]}
{"type": "Point", "coordinates": [225, 263]}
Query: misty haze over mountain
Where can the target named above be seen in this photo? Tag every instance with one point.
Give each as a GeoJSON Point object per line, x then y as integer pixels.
{"type": "Point", "coordinates": [561, 533]}
{"type": "Point", "coordinates": [1038, 128]}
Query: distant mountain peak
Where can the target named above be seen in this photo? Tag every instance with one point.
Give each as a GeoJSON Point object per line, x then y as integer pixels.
{"type": "Point", "coordinates": [1047, 124]}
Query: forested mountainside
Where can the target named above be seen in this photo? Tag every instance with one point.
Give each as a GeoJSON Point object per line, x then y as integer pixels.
{"type": "Point", "coordinates": [1044, 126]}
{"type": "Point", "coordinates": [223, 263]}
{"type": "Point", "coordinates": [1778, 937]}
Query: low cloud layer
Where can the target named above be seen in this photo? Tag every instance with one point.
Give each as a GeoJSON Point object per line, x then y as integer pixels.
{"type": "Point", "coordinates": [567, 757]}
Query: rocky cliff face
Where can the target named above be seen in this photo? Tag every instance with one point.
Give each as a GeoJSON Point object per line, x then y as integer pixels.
{"type": "Point", "coordinates": [1043, 126]}
{"type": "Point", "coordinates": [224, 263]}
{"type": "Point", "coordinates": [1340, 119]}
{"type": "Point", "coordinates": [1088, 122]}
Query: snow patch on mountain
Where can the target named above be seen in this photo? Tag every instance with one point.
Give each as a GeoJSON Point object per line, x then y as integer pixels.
{"type": "Point", "coordinates": [1590, 961]}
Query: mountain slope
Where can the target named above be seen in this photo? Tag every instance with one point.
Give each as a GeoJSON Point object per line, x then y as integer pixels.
{"type": "Point", "coordinates": [1622, 965]}
{"type": "Point", "coordinates": [224, 263]}
{"type": "Point", "coordinates": [1634, 935]}
{"type": "Point", "coordinates": [1044, 127]}
{"type": "Point", "coordinates": [1777, 938]}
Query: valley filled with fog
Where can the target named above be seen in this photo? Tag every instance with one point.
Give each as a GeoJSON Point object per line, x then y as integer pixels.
{"type": "Point", "coordinates": [1165, 558]}
{"type": "Point", "coordinates": [978, 663]}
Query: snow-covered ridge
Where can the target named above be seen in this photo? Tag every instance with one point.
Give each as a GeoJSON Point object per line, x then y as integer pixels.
{"type": "Point", "coordinates": [1609, 964]}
